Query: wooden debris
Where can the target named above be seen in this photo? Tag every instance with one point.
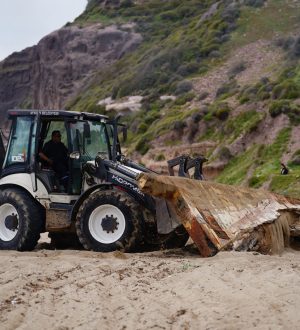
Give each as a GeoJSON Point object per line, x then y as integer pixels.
{"type": "Point", "coordinates": [219, 217]}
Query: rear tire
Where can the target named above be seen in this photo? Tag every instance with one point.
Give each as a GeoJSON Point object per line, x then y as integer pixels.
{"type": "Point", "coordinates": [109, 221]}
{"type": "Point", "coordinates": [21, 221]}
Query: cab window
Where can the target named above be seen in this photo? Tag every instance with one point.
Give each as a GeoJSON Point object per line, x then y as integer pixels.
{"type": "Point", "coordinates": [89, 138]}
{"type": "Point", "coordinates": [19, 144]}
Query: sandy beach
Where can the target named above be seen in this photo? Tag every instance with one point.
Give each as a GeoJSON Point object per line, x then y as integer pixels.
{"type": "Point", "coordinates": [175, 289]}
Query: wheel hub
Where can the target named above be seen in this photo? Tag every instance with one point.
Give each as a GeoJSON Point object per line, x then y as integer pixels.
{"type": "Point", "coordinates": [109, 224]}
{"type": "Point", "coordinates": [11, 222]}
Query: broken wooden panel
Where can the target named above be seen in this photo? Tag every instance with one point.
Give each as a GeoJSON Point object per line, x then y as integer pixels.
{"type": "Point", "coordinates": [219, 216]}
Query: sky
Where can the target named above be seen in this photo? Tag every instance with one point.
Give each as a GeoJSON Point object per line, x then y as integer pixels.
{"type": "Point", "coordinates": [24, 22]}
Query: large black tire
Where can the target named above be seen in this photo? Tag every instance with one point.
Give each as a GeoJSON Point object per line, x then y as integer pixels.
{"type": "Point", "coordinates": [109, 221]}
{"type": "Point", "coordinates": [21, 220]}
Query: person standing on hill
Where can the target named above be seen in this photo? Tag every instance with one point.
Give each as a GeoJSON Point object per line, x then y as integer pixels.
{"type": "Point", "coordinates": [284, 170]}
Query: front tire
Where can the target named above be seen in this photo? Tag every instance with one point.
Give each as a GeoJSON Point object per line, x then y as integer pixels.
{"type": "Point", "coordinates": [21, 221]}
{"type": "Point", "coordinates": [109, 221]}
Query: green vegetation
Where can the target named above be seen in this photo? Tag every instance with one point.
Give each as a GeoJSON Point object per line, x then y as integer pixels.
{"type": "Point", "coordinates": [263, 160]}
{"type": "Point", "coordinates": [264, 23]}
{"type": "Point", "coordinates": [237, 169]}
{"type": "Point", "coordinates": [177, 46]}
{"type": "Point", "coordinates": [268, 163]}
{"type": "Point", "coordinates": [286, 107]}
{"type": "Point", "coordinates": [287, 184]}
{"type": "Point", "coordinates": [244, 123]}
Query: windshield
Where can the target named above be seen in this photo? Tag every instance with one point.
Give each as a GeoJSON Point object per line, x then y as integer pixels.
{"type": "Point", "coordinates": [89, 138]}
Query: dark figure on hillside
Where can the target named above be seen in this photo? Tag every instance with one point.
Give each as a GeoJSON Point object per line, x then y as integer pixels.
{"type": "Point", "coordinates": [284, 169]}
{"type": "Point", "coordinates": [55, 156]}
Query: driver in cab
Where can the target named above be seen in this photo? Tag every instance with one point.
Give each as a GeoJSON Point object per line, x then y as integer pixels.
{"type": "Point", "coordinates": [55, 155]}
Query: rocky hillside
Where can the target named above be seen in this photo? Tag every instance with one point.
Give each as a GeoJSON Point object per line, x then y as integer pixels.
{"type": "Point", "coordinates": [46, 76]}
{"type": "Point", "coordinates": [194, 76]}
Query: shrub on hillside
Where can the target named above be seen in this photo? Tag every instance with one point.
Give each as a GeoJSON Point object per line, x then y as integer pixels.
{"type": "Point", "coordinates": [287, 89]}
{"type": "Point", "coordinates": [224, 154]}
{"type": "Point", "coordinates": [202, 96]}
{"type": "Point", "coordinates": [294, 115]}
{"type": "Point", "coordinates": [126, 3]}
{"type": "Point", "coordinates": [179, 125]}
{"type": "Point", "coordinates": [196, 117]}
{"type": "Point", "coordinates": [254, 3]}
{"type": "Point", "coordinates": [142, 128]}
{"type": "Point", "coordinates": [278, 107]}
{"type": "Point", "coordinates": [248, 93]}
{"type": "Point", "coordinates": [254, 182]}
{"type": "Point", "coordinates": [219, 110]}
{"type": "Point", "coordinates": [285, 42]}
{"type": "Point", "coordinates": [183, 99]}
{"type": "Point", "coordinates": [237, 68]}
{"type": "Point", "coordinates": [159, 158]}
{"type": "Point", "coordinates": [291, 45]}
{"type": "Point", "coordinates": [227, 89]}
{"type": "Point", "coordinates": [142, 146]}
{"type": "Point", "coordinates": [183, 87]}
{"type": "Point", "coordinates": [187, 69]}
{"type": "Point", "coordinates": [265, 89]}
{"type": "Point", "coordinates": [294, 52]}
{"type": "Point", "coordinates": [151, 117]}
{"type": "Point", "coordinates": [244, 99]}
{"type": "Point", "coordinates": [95, 108]}
{"type": "Point", "coordinates": [231, 13]}
{"type": "Point", "coordinates": [286, 107]}
{"type": "Point", "coordinates": [222, 113]}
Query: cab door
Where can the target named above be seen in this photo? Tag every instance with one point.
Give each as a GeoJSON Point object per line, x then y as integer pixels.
{"type": "Point", "coordinates": [20, 155]}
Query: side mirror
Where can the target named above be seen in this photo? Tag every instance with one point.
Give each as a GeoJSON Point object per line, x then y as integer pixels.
{"type": "Point", "coordinates": [75, 155]}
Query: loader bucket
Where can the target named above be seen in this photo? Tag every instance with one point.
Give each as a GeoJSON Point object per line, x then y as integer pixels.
{"type": "Point", "coordinates": [221, 217]}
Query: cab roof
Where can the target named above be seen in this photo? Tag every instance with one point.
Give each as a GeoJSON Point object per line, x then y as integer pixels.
{"type": "Point", "coordinates": [56, 114]}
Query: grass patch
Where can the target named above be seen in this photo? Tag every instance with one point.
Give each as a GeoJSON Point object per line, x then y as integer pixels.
{"type": "Point", "coordinates": [287, 184]}
{"type": "Point", "coordinates": [244, 123]}
{"type": "Point", "coordinates": [237, 169]}
{"type": "Point", "coordinates": [263, 23]}
{"type": "Point", "coordinates": [264, 159]}
{"type": "Point", "coordinates": [268, 163]}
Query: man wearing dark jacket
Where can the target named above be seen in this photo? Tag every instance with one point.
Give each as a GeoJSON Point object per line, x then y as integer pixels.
{"type": "Point", "coordinates": [55, 156]}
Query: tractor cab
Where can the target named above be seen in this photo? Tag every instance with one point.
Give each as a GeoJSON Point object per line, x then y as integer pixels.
{"type": "Point", "coordinates": [84, 135]}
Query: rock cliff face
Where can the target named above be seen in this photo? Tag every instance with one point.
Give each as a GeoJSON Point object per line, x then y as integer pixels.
{"type": "Point", "coordinates": [47, 75]}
